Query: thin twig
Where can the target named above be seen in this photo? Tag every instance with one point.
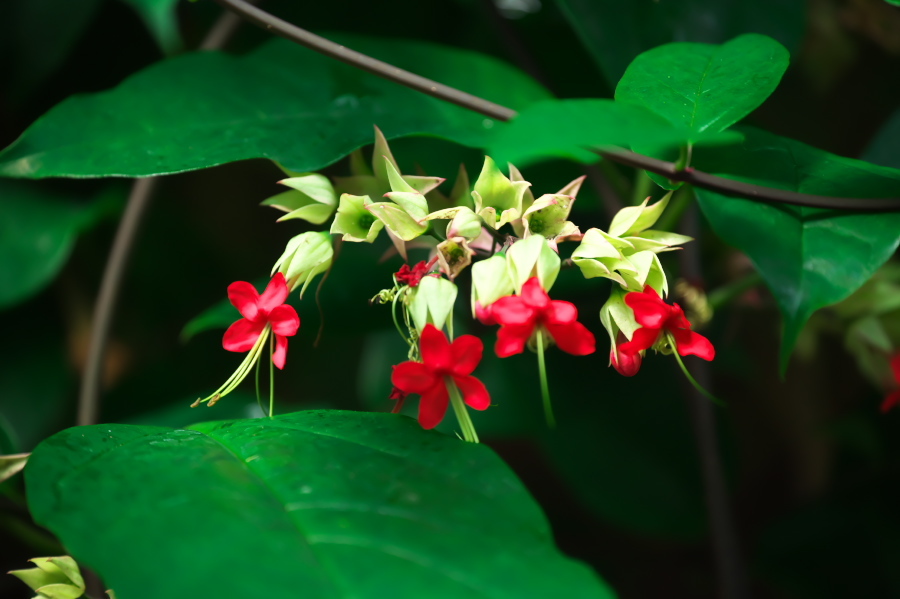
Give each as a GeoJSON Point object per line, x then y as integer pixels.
{"type": "Point", "coordinates": [119, 254]}
{"type": "Point", "coordinates": [503, 113]}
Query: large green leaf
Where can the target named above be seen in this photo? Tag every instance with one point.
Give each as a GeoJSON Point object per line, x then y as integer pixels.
{"type": "Point", "coordinates": [312, 504]}
{"type": "Point", "coordinates": [38, 226]}
{"type": "Point", "coordinates": [565, 128]}
{"type": "Point", "coordinates": [281, 102]}
{"type": "Point", "coordinates": [161, 20]}
{"type": "Point", "coordinates": [809, 257]}
{"type": "Point", "coordinates": [704, 87]}
{"type": "Point", "coordinates": [885, 148]}
{"type": "Point", "coordinates": [615, 32]}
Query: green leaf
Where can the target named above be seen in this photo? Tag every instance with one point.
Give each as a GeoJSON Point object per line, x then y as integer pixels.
{"type": "Point", "coordinates": [809, 257]}
{"type": "Point", "coordinates": [567, 128]}
{"type": "Point", "coordinates": [38, 227]}
{"type": "Point", "coordinates": [161, 20]}
{"type": "Point", "coordinates": [885, 148]}
{"type": "Point", "coordinates": [325, 503]}
{"type": "Point", "coordinates": [703, 87]}
{"type": "Point", "coordinates": [614, 33]}
{"type": "Point", "coordinates": [282, 102]}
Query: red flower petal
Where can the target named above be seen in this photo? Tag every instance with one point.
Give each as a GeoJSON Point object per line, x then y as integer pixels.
{"type": "Point", "coordinates": [560, 312]}
{"type": "Point", "coordinates": [242, 335]}
{"type": "Point", "coordinates": [511, 339]}
{"type": "Point", "coordinates": [890, 401]}
{"type": "Point", "coordinates": [413, 377]}
{"type": "Point", "coordinates": [474, 393]}
{"type": "Point", "coordinates": [285, 320]}
{"type": "Point", "coordinates": [573, 338]}
{"type": "Point", "coordinates": [435, 348]}
{"type": "Point", "coordinates": [643, 338]}
{"type": "Point", "coordinates": [649, 310]}
{"type": "Point", "coordinates": [275, 294]}
{"type": "Point", "coordinates": [534, 295]}
{"type": "Point", "coordinates": [279, 356]}
{"type": "Point", "coordinates": [895, 366]}
{"type": "Point", "coordinates": [466, 354]}
{"type": "Point", "coordinates": [625, 364]}
{"type": "Point", "coordinates": [485, 314]}
{"type": "Point", "coordinates": [433, 406]}
{"type": "Point", "coordinates": [512, 310]}
{"type": "Point", "coordinates": [244, 297]}
{"type": "Point", "coordinates": [690, 343]}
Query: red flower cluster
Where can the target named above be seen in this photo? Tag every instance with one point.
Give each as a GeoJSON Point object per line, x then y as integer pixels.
{"type": "Point", "coordinates": [657, 317]}
{"type": "Point", "coordinates": [258, 311]}
{"type": "Point", "coordinates": [521, 316]}
{"type": "Point", "coordinates": [893, 398]}
{"type": "Point", "coordinates": [441, 363]}
{"type": "Point", "coordinates": [413, 276]}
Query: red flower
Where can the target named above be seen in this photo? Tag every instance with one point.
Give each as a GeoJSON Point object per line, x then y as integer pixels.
{"type": "Point", "coordinates": [894, 398]}
{"type": "Point", "coordinates": [625, 364]}
{"type": "Point", "coordinates": [259, 311]}
{"type": "Point", "coordinates": [399, 396]}
{"type": "Point", "coordinates": [655, 317]}
{"type": "Point", "coordinates": [521, 316]}
{"type": "Point", "coordinates": [442, 360]}
{"type": "Point", "coordinates": [413, 276]}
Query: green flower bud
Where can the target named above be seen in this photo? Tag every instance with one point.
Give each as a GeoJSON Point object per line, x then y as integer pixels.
{"type": "Point", "coordinates": [497, 199]}
{"type": "Point", "coordinates": [533, 257]}
{"type": "Point", "coordinates": [432, 302]}
{"type": "Point", "coordinates": [53, 578]}
{"type": "Point", "coordinates": [306, 255]}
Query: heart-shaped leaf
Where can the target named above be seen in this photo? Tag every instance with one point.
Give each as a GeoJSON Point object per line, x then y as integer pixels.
{"type": "Point", "coordinates": [282, 102]}
{"type": "Point", "coordinates": [703, 87]}
{"type": "Point", "coordinates": [809, 257]}
{"type": "Point", "coordinates": [316, 503]}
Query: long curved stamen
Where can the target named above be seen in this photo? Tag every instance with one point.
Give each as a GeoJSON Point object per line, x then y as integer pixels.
{"type": "Point", "coordinates": [242, 371]}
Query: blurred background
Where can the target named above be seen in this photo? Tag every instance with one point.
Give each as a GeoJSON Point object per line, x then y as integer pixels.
{"type": "Point", "coordinates": [813, 467]}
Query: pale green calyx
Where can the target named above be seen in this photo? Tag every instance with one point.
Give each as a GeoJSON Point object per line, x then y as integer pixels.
{"type": "Point", "coordinates": [432, 302]}
{"type": "Point", "coordinates": [406, 214]}
{"type": "Point", "coordinates": [374, 182]}
{"type": "Point", "coordinates": [498, 200]}
{"type": "Point", "coordinates": [53, 578]}
{"type": "Point", "coordinates": [634, 219]}
{"type": "Point", "coordinates": [628, 254]}
{"type": "Point", "coordinates": [615, 315]}
{"type": "Point", "coordinates": [532, 257]}
{"type": "Point", "coordinates": [311, 198]}
{"type": "Point", "coordinates": [463, 222]}
{"type": "Point", "coordinates": [306, 255]}
{"type": "Point", "coordinates": [354, 221]}
{"type": "Point", "coordinates": [454, 255]}
{"type": "Point", "coordinates": [547, 216]}
{"type": "Point", "coordinates": [491, 280]}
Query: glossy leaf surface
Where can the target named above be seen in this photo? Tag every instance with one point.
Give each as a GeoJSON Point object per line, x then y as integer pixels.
{"type": "Point", "coordinates": [614, 33]}
{"type": "Point", "coordinates": [566, 128]}
{"type": "Point", "coordinates": [281, 102]}
{"type": "Point", "coordinates": [809, 257]}
{"type": "Point", "coordinates": [320, 503]}
{"type": "Point", "coordinates": [704, 87]}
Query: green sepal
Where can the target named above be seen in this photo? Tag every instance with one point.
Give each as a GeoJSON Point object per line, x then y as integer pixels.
{"type": "Point", "coordinates": [306, 255]}
{"type": "Point", "coordinates": [491, 280]}
{"type": "Point", "coordinates": [598, 254]}
{"type": "Point", "coordinates": [497, 199]}
{"type": "Point", "coordinates": [547, 216]}
{"type": "Point", "coordinates": [658, 241]}
{"type": "Point", "coordinates": [397, 220]}
{"type": "Point", "coordinates": [312, 199]}
{"type": "Point", "coordinates": [432, 302]}
{"type": "Point", "coordinates": [463, 222]}
{"type": "Point", "coordinates": [354, 221]}
{"type": "Point", "coordinates": [12, 464]}
{"type": "Point", "coordinates": [53, 578]}
{"type": "Point", "coordinates": [634, 219]}
{"type": "Point", "coordinates": [532, 257]}
{"type": "Point", "coordinates": [615, 315]}
{"type": "Point", "coordinates": [454, 255]}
